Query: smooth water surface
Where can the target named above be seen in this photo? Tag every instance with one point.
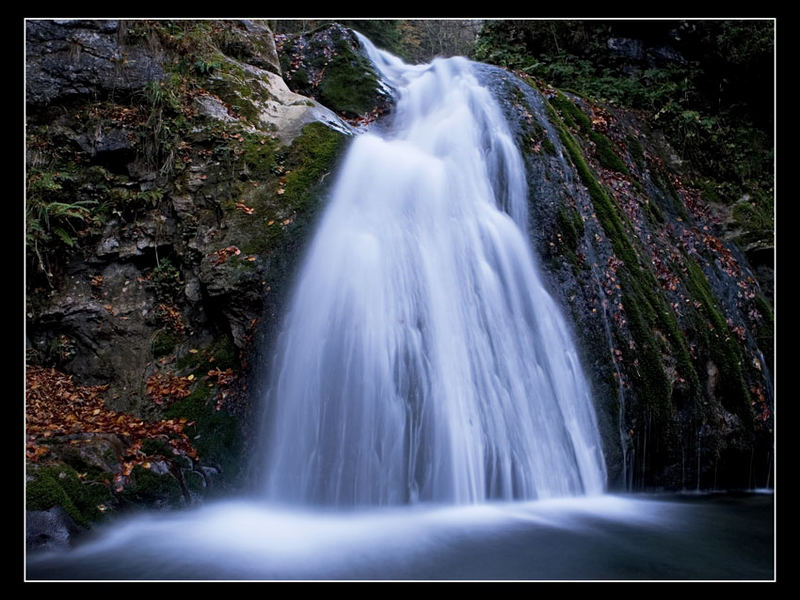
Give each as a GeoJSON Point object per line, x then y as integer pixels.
{"type": "Point", "coordinates": [597, 538]}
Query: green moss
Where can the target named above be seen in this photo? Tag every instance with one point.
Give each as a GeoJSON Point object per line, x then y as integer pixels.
{"type": "Point", "coordinates": [310, 157]}
{"type": "Point", "coordinates": [349, 84]}
{"type": "Point", "coordinates": [572, 115]}
{"type": "Point", "coordinates": [646, 308]}
{"type": "Point", "coordinates": [300, 77]}
{"type": "Point", "coordinates": [663, 181]}
{"type": "Point", "coordinates": [306, 162]}
{"type": "Point", "coordinates": [636, 151]}
{"type": "Point", "coordinates": [259, 154]}
{"type": "Point", "coordinates": [163, 343]}
{"type": "Point", "coordinates": [147, 487]}
{"type": "Point", "coordinates": [548, 146]}
{"type": "Point", "coordinates": [719, 343]}
{"type": "Point", "coordinates": [765, 331]}
{"type": "Point", "coordinates": [222, 350]}
{"type": "Point", "coordinates": [59, 485]}
{"type": "Point", "coordinates": [225, 354]}
{"type": "Point", "coordinates": [532, 129]}
{"type": "Point", "coordinates": [570, 228]}
{"type": "Point", "coordinates": [605, 154]}
{"type": "Point", "coordinates": [652, 210]}
{"type": "Point", "coordinates": [756, 216]}
{"type": "Point", "coordinates": [215, 434]}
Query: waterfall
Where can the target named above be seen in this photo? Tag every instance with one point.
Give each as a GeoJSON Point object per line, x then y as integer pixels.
{"type": "Point", "coordinates": [421, 358]}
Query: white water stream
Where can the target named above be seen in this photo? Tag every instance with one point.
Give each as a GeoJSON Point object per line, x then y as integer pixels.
{"type": "Point", "coordinates": [422, 358]}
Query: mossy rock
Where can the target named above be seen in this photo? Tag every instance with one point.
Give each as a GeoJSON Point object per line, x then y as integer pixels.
{"type": "Point", "coordinates": [718, 343]}
{"type": "Point", "coordinates": [327, 65]}
{"type": "Point", "coordinates": [163, 343]}
{"type": "Point", "coordinates": [216, 435]}
{"type": "Point", "coordinates": [146, 487]}
{"type": "Point", "coordinates": [349, 85]}
{"type": "Point", "coordinates": [60, 485]}
{"type": "Point", "coordinates": [636, 150]}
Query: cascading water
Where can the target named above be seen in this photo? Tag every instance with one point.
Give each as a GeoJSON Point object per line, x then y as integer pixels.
{"type": "Point", "coordinates": [422, 358]}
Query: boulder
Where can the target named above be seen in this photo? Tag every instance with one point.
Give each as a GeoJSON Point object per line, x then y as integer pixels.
{"type": "Point", "coordinates": [50, 529]}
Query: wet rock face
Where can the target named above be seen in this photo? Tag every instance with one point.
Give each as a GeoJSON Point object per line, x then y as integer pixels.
{"type": "Point", "coordinates": [327, 65]}
{"type": "Point", "coordinates": [674, 331]}
{"type": "Point", "coordinates": [187, 176]}
{"type": "Point", "coordinates": [70, 59]}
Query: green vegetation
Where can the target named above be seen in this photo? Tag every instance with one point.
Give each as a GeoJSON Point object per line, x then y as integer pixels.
{"type": "Point", "coordinates": [349, 83]}
{"type": "Point", "coordinates": [54, 219]}
{"type": "Point", "coordinates": [576, 118]}
{"type": "Point", "coordinates": [165, 282]}
{"type": "Point", "coordinates": [711, 94]}
{"type": "Point", "coordinates": [570, 229]}
{"type": "Point", "coordinates": [60, 485]}
{"type": "Point", "coordinates": [645, 306]}
{"type": "Point", "coordinates": [259, 156]}
{"type": "Point", "coordinates": [215, 434]}
{"type": "Point", "coordinates": [163, 343]}
{"type": "Point", "coordinates": [636, 151]}
{"type": "Point", "coordinates": [756, 217]}
{"type": "Point", "coordinates": [222, 350]}
{"type": "Point", "coordinates": [719, 343]}
{"type": "Point", "coordinates": [147, 487]}
{"type": "Point", "coordinates": [765, 332]}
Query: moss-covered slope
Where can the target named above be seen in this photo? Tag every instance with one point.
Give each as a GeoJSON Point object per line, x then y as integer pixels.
{"type": "Point", "coordinates": [172, 179]}
{"type": "Point", "coordinates": [674, 326]}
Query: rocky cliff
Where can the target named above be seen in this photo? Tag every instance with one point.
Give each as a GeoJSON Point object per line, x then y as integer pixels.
{"type": "Point", "coordinates": [172, 177]}
{"type": "Point", "coordinates": [674, 326]}
{"type": "Point", "coordinates": [173, 172]}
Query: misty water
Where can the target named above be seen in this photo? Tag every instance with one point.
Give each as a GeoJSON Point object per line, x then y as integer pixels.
{"type": "Point", "coordinates": [427, 416]}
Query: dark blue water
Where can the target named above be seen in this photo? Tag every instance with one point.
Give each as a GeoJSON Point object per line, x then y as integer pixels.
{"type": "Point", "coordinates": [710, 537]}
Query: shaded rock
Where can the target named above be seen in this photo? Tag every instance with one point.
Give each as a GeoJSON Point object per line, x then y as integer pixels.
{"type": "Point", "coordinates": [626, 48]}
{"type": "Point", "coordinates": [668, 316]}
{"type": "Point", "coordinates": [101, 451]}
{"type": "Point", "coordinates": [168, 191]}
{"type": "Point", "coordinates": [329, 66]}
{"type": "Point", "coordinates": [252, 42]}
{"type": "Point", "coordinates": [149, 232]}
{"type": "Point", "coordinates": [112, 148]}
{"type": "Point", "coordinates": [109, 330]}
{"type": "Point", "coordinates": [50, 529]}
{"type": "Point", "coordinates": [69, 59]}
{"type": "Point", "coordinates": [213, 108]}
{"type": "Point", "coordinates": [659, 56]}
